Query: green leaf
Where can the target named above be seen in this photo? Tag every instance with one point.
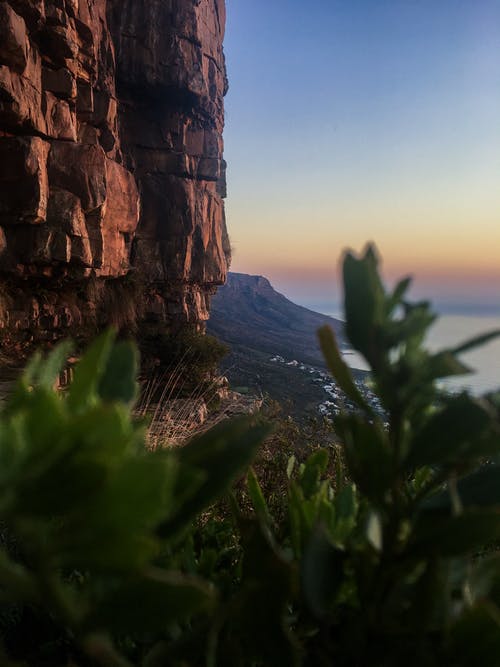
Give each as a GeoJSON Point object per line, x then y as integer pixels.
{"type": "Point", "coordinates": [89, 371]}
{"type": "Point", "coordinates": [219, 455]}
{"type": "Point", "coordinates": [339, 369]}
{"type": "Point", "coordinates": [454, 536]}
{"type": "Point", "coordinates": [49, 370]}
{"type": "Point", "coordinates": [313, 469]}
{"type": "Point", "coordinates": [114, 550]}
{"type": "Point", "coordinates": [43, 423]}
{"type": "Point", "coordinates": [30, 374]}
{"type": "Point", "coordinates": [364, 300]}
{"type": "Point", "coordinates": [257, 497]}
{"type": "Point", "coordinates": [479, 489]}
{"type": "Point", "coordinates": [374, 531]}
{"type": "Point", "coordinates": [430, 598]}
{"type": "Point", "coordinates": [66, 478]}
{"type": "Point", "coordinates": [396, 297]}
{"type": "Point", "coordinates": [139, 495]}
{"type": "Point", "coordinates": [442, 365]}
{"type": "Point", "coordinates": [24, 385]}
{"type": "Point", "coordinates": [345, 507]}
{"type": "Point", "coordinates": [106, 431]}
{"type": "Point", "coordinates": [261, 606]}
{"type": "Point", "coordinates": [475, 637]}
{"type": "Point", "coordinates": [322, 572]}
{"type": "Point", "coordinates": [16, 581]}
{"type": "Point", "coordinates": [411, 329]}
{"type": "Point", "coordinates": [477, 341]}
{"type": "Point", "coordinates": [484, 579]}
{"type": "Point", "coordinates": [118, 381]}
{"type": "Point", "coordinates": [150, 603]}
{"type": "Point", "coordinates": [345, 502]}
{"type": "Point", "coordinates": [451, 434]}
{"type": "Point", "coordinates": [295, 505]}
{"type": "Point", "coordinates": [367, 450]}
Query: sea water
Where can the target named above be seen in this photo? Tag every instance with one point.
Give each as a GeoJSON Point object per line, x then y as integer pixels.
{"type": "Point", "coordinates": [449, 331]}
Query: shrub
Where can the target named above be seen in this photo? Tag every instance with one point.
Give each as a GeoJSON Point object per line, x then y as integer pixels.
{"type": "Point", "coordinates": [384, 555]}
{"type": "Point", "coordinates": [191, 357]}
{"type": "Point", "coordinates": [386, 569]}
{"type": "Point", "coordinates": [95, 527]}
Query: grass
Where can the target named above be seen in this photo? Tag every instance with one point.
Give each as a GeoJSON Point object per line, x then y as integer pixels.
{"type": "Point", "coordinates": [177, 410]}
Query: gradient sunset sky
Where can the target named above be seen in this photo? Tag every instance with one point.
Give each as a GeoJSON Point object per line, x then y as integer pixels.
{"type": "Point", "coordinates": [357, 120]}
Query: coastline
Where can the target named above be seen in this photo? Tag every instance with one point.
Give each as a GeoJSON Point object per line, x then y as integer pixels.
{"type": "Point", "coordinates": [451, 329]}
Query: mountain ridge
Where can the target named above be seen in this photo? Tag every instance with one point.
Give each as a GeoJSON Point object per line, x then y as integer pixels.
{"type": "Point", "coordinates": [247, 311]}
{"type": "Point", "coordinates": [274, 346]}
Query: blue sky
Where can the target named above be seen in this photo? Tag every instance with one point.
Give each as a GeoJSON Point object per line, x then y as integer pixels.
{"type": "Point", "coordinates": [357, 120]}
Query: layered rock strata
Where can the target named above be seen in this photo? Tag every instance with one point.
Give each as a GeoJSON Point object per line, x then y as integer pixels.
{"type": "Point", "coordinates": [111, 171]}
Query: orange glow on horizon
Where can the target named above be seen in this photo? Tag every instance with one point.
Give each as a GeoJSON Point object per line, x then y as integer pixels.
{"type": "Point", "coordinates": [435, 265]}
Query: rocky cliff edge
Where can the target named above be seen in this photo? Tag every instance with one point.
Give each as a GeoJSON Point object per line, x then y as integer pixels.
{"type": "Point", "coordinates": [111, 171]}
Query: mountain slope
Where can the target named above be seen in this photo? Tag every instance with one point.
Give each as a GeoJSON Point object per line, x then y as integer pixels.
{"type": "Point", "coordinates": [248, 312]}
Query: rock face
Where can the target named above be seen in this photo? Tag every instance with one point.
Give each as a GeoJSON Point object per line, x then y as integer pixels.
{"type": "Point", "coordinates": [111, 171]}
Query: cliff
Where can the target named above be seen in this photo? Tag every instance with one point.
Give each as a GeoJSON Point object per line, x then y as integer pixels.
{"type": "Point", "coordinates": [111, 171]}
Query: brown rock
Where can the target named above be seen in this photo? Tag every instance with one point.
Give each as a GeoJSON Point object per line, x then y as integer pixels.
{"type": "Point", "coordinates": [37, 245]}
{"type": "Point", "coordinates": [85, 99]}
{"type": "Point", "coordinates": [60, 119]}
{"type": "Point", "coordinates": [222, 185]}
{"type": "Point", "coordinates": [13, 46]}
{"type": "Point", "coordinates": [61, 82]}
{"type": "Point", "coordinates": [80, 169]}
{"type": "Point", "coordinates": [208, 169]}
{"type": "Point", "coordinates": [122, 205]}
{"type": "Point", "coordinates": [24, 187]}
{"type": "Point", "coordinates": [21, 96]}
{"type": "Point", "coordinates": [3, 242]}
{"type": "Point", "coordinates": [65, 213]}
{"type": "Point", "coordinates": [60, 43]}
{"type": "Point", "coordinates": [104, 117]}
{"type": "Point", "coordinates": [33, 11]}
{"type": "Point", "coordinates": [88, 134]}
{"type": "Point", "coordinates": [113, 225]}
{"type": "Point", "coordinates": [123, 127]}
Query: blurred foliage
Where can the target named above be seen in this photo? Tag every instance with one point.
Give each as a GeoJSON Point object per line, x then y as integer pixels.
{"type": "Point", "coordinates": [381, 551]}
{"type": "Point", "coordinates": [398, 565]}
{"type": "Point", "coordinates": [95, 528]}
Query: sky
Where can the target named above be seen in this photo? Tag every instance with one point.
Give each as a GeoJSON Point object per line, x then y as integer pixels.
{"type": "Point", "coordinates": [350, 121]}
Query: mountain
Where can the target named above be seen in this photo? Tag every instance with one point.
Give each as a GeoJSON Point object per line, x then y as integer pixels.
{"type": "Point", "coordinates": [274, 347]}
{"type": "Point", "coordinates": [249, 312]}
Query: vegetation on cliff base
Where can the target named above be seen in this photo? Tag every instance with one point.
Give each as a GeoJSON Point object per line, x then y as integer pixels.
{"type": "Point", "coordinates": [378, 554]}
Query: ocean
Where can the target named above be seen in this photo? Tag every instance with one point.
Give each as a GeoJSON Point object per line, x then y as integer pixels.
{"type": "Point", "coordinates": [449, 331]}
{"type": "Point", "coordinates": [484, 361]}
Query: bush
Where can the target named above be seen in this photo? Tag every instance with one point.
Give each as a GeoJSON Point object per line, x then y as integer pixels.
{"type": "Point", "coordinates": [386, 569]}
{"type": "Point", "coordinates": [95, 527]}
{"type": "Point", "coordinates": [384, 555]}
{"type": "Point", "coordinates": [191, 357]}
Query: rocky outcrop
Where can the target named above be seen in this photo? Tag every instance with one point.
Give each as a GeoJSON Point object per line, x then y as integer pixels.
{"type": "Point", "coordinates": [111, 171]}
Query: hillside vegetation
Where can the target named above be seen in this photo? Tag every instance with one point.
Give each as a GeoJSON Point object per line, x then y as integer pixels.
{"type": "Point", "coordinates": [380, 551]}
